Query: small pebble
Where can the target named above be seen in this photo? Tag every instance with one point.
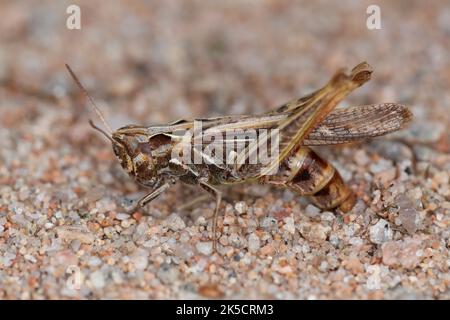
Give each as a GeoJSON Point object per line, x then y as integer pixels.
{"type": "Point", "coordinates": [122, 216]}
{"type": "Point", "coordinates": [312, 211]}
{"type": "Point", "coordinates": [30, 258]}
{"type": "Point", "coordinates": [168, 273]}
{"type": "Point", "coordinates": [48, 225]}
{"type": "Point", "coordinates": [97, 279]}
{"type": "Point", "coordinates": [94, 261]}
{"type": "Point", "coordinates": [289, 225]}
{"type": "Point", "coordinates": [354, 265]}
{"type": "Point", "coordinates": [204, 248]}
{"type": "Point", "coordinates": [407, 253]}
{"type": "Point", "coordinates": [241, 207]}
{"type": "Point", "coordinates": [175, 223]}
{"type": "Point", "coordinates": [386, 176]}
{"type": "Point", "coordinates": [253, 242]}
{"type": "Point", "coordinates": [269, 223]}
{"type": "Point", "coordinates": [380, 166]}
{"type": "Point", "coordinates": [361, 158]}
{"type": "Point", "coordinates": [125, 224]}
{"type": "Point", "coordinates": [75, 245]}
{"type": "Point", "coordinates": [315, 232]}
{"type": "Point", "coordinates": [140, 259]}
{"type": "Point", "coordinates": [268, 250]}
{"type": "Point", "coordinates": [70, 233]}
{"type": "Point", "coordinates": [407, 213]}
{"type": "Point", "coordinates": [380, 232]}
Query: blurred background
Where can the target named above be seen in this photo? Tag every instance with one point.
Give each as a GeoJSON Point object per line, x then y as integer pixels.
{"type": "Point", "coordinates": [158, 60]}
{"type": "Point", "coordinates": [148, 62]}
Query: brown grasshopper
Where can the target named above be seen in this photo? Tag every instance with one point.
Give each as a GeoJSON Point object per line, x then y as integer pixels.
{"type": "Point", "coordinates": [158, 156]}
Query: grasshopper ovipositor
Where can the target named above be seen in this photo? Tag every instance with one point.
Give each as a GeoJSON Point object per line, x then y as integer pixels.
{"type": "Point", "coordinates": [158, 156]}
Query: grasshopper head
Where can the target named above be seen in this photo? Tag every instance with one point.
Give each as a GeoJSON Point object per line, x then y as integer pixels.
{"type": "Point", "coordinates": [138, 153]}
{"type": "Point", "coordinates": [131, 149]}
{"type": "Point", "coordinates": [131, 145]}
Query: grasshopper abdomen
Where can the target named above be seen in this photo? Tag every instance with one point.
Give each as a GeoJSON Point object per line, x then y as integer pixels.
{"type": "Point", "coordinates": [305, 173]}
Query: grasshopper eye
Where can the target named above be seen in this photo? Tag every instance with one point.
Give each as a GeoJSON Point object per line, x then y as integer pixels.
{"type": "Point", "coordinates": [117, 148]}
{"type": "Point", "coordinates": [145, 148]}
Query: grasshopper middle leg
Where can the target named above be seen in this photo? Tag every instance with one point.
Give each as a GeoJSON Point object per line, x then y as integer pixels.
{"type": "Point", "coordinates": [218, 195]}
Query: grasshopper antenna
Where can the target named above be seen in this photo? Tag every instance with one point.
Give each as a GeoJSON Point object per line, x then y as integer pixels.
{"type": "Point", "coordinates": [91, 101]}
{"type": "Point", "coordinates": [101, 131]}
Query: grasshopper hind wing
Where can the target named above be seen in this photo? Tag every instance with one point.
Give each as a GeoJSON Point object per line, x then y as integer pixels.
{"type": "Point", "coordinates": [359, 122]}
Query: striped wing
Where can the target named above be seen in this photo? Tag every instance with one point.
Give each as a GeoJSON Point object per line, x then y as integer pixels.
{"type": "Point", "coordinates": [340, 126]}
{"type": "Point", "coordinates": [357, 123]}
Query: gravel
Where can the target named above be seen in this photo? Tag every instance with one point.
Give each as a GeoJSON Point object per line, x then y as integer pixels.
{"type": "Point", "coordinates": [241, 207]}
{"type": "Point", "coordinates": [97, 279]}
{"type": "Point", "coordinates": [312, 211]}
{"type": "Point", "coordinates": [205, 248]}
{"type": "Point", "coordinates": [408, 215]}
{"type": "Point", "coordinates": [175, 222]}
{"type": "Point", "coordinates": [253, 243]}
{"type": "Point", "coordinates": [407, 253]}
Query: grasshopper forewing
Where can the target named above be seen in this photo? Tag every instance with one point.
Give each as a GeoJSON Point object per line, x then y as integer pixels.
{"type": "Point", "coordinates": [151, 154]}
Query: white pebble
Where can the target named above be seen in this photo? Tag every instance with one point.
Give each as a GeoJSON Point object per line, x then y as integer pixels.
{"type": "Point", "coordinates": [140, 259]}
{"type": "Point", "coordinates": [117, 277]}
{"type": "Point", "coordinates": [48, 225]}
{"type": "Point", "coordinates": [241, 207]}
{"type": "Point", "coordinates": [327, 216]}
{"type": "Point", "coordinates": [175, 223]}
{"type": "Point", "coordinates": [70, 233]}
{"type": "Point", "coordinates": [30, 258]}
{"type": "Point", "coordinates": [289, 225]}
{"type": "Point", "coordinates": [269, 223]}
{"type": "Point", "coordinates": [8, 259]}
{"type": "Point", "coordinates": [201, 221]}
{"type": "Point", "coordinates": [253, 243]}
{"type": "Point", "coordinates": [75, 245]}
{"type": "Point", "coordinates": [380, 166]}
{"type": "Point", "coordinates": [355, 241]}
{"type": "Point", "coordinates": [94, 261]}
{"type": "Point", "coordinates": [125, 224]}
{"type": "Point", "coordinates": [312, 211]}
{"type": "Point", "coordinates": [373, 281]}
{"type": "Point", "coordinates": [122, 216]}
{"type": "Point", "coordinates": [168, 274]}
{"type": "Point", "coordinates": [204, 247]}
{"type": "Point", "coordinates": [97, 279]}
{"type": "Point", "coordinates": [380, 232]}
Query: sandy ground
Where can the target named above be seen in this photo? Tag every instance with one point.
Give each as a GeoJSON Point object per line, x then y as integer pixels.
{"type": "Point", "coordinates": [63, 230]}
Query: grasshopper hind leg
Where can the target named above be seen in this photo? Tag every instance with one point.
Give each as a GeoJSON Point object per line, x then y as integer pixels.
{"type": "Point", "coordinates": [307, 174]}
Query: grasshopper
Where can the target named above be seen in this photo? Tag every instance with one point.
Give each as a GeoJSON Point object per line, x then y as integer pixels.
{"type": "Point", "coordinates": [147, 152]}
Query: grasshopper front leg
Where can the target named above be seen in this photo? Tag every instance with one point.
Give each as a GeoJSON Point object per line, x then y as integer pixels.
{"type": "Point", "coordinates": [151, 196]}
